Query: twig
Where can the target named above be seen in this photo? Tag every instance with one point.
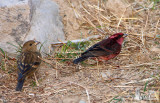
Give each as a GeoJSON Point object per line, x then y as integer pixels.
{"type": "Point", "coordinates": [56, 70]}
{"type": "Point", "coordinates": [114, 96]}
{"type": "Point", "coordinates": [45, 60]}
{"type": "Point", "coordinates": [125, 19]}
{"type": "Point", "coordinates": [76, 41]}
{"type": "Point", "coordinates": [124, 86]}
{"type": "Point", "coordinates": [135, 65]}
{"type": "Point", "coordinates": [143, 30]}
{"type": "Point", "coordinates": [87, 93]}
{"type": "Point", "coordinates": [136, 81]}
{"type": "Point", "coordinates": [156, 27]}
{"type": "Point", "coordinates": [36, 79]}
{"type": "Point", "coordinates": [88, 97]}
{"type": "Point", "coordinates": [121, 17]}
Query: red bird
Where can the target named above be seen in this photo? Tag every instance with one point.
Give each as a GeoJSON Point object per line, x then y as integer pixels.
{"type": "Point", "coordinates": [105, 49]}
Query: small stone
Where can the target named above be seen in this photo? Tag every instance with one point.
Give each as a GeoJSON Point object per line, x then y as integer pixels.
{"type": "Point", "coordinates": [82, 101]}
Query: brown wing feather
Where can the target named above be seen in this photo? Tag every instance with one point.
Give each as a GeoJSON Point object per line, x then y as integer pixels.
{"type": "Point", "coordinates": [28, 62]}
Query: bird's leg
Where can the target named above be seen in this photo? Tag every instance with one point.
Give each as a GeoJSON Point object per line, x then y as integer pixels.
{"type": "Point", "coordinates": [98, 67]}
{"type": "Point", "coordinates": [78, 68]}
{"type": "Point", "coordinates": [36, 79]}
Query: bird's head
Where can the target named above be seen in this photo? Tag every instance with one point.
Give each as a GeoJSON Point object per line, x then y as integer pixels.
{"type": "Point", "coordinates": [30, 45]}
{"type": "Point", "coordinates": [119, 37]}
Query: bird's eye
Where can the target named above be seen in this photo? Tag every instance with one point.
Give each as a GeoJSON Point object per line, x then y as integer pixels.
{"type": "Point", "coordinates": [30, 44]}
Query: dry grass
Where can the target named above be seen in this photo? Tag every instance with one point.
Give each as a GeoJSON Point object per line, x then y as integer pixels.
{"type": "Point", "coordinates": [133, 76]}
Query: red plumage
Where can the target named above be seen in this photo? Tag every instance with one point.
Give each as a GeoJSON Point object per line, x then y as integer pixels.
{"type": "Point", "coordinates": [105, 49]}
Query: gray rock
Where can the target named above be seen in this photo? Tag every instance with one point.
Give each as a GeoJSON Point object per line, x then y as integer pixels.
{"type": "Point", "coordinates": [14, 23]}
{"type": "Point", "coordinates": [23, 20]}
{"type": "Point", "coordinates": [46, 25]}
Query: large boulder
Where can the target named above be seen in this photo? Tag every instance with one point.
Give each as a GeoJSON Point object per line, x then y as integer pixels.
{"type": "Point", "coordinates": [23, 20]}
{"type": "Point", "coordinates": [14, 23]}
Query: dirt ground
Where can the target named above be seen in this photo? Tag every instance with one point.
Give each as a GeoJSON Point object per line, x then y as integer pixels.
{"type": "Point", "coordinates": [131, 77]}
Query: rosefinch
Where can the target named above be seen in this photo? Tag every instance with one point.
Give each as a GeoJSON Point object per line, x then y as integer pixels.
{"type": "Point", "coordinates": [105, 49]}
{"type": "Point", "coordinates": [28, 61]}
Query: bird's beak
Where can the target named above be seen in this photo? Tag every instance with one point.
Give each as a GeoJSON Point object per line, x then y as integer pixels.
{"type": "Point", "coordinates": [36, 42]}
{"type": "Point", "coordinates": [124, 35]}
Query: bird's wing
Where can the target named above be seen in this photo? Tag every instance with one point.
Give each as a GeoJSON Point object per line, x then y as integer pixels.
{"type": "Point", "coordinates": [97, 50]}
{"type": "Point", "coordinates": [28, 62]}
{"type": "Point", "coordinates": [103, 48]}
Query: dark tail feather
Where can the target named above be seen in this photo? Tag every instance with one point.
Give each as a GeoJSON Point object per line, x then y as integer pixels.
{"type": "Point", "coordinates": [80, 59]}
{"type": "Point", "coordinates": [20, 82]}
{"type": "Point", "coordinates": [19, 85]}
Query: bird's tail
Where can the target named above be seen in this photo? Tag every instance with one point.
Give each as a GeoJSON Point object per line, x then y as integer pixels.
{"type": "Point", "coordinates": [80, 59]}
{"type": "Point", "coordinates": [20, 83]}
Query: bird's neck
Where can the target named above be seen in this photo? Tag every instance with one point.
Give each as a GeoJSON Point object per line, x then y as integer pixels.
{"type": "Point", "coordinates": [120, 41]}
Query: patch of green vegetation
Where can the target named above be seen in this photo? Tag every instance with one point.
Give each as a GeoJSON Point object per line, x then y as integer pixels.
{"type": "Point", "coordinates": [155, 3]}
{"type": "Point", "coordinates": [33, 84]}
{"type": "Point", "coordinates": [116, 100]}
{"type": "Point", "coordinates": [156, 58]}
{"type": "Point", "coordinates": [2, 65]}
{"type": "Point", "coordinates": [156, 42]}
{"type": "Point", "coordinates": [18, 48]}
{"type": "Point", "coordinates": [42, 45]}
{"type": "Point", "coordinates": [71, 50]}
{"type": "Point", "coordinates": [145, 87]}
{"type": "Point", "coordinates": [10, 71]}
{"type": "Point", "coordinates": [2, 51]}
{"type": "Point", "coordinates": [158, 36]}
{"type": "Point", "coordinates": [4, 58]}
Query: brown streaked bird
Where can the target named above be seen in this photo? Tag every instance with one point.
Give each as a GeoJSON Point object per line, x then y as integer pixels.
{"type": "Point", "coordinates": [28, 61]}
{"type": "Point", "coordinates": [105, 49]}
